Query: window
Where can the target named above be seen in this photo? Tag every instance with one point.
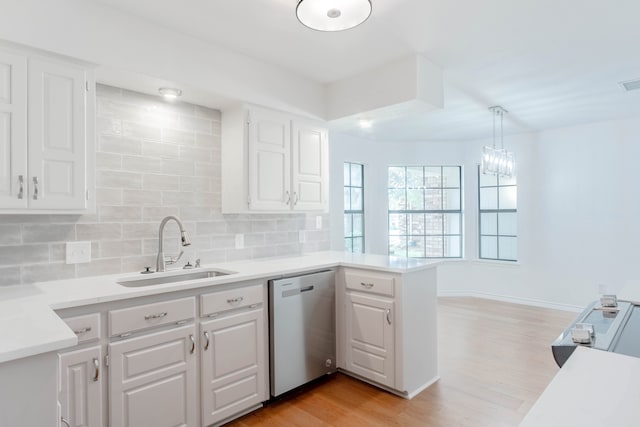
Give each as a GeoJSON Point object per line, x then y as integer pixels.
{"type": "Point", "coordinates": [425, 211]}
{"type": "Point", "coordinates": [498, 228]}
{"type": "Point", "coordinates": [353, 207]}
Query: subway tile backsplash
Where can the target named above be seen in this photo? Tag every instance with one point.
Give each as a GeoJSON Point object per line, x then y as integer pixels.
{"type": "Point", "coordinates": [152, 159]}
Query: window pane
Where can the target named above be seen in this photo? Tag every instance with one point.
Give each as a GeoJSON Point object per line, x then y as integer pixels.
{"type": "Point", "coordinates": [348, 245]}
{"type": "Point", "coordinates": [347, 199]}
{"type": "Point", "coordinates": [452, 223]}
{"type": "Point", "coordinates": [489, 198]}
{"type": "Point", "coordinates": [415, 199]}
{"type": "Point", "coordinates": [347, 174]}
{"type": "Point", "coordinates": [398, 246]}
{"type": "Point", "coordinates": [434, 246]}
{"type": "Point", "coordinates": [356, 175]}
{"type": "Point", "coordinates": [433, 200]}
{"type": "Point", "coordinates": [397, 224]}
{"type": "Point", "coordinates": [358, 226]}
{"type": "Point", "coordinates": [396, 177]}
{"type": "Point", "coordinates": [488, 223]}
{"type": "Point", "coordinates": [508, 248]}
{"type": "Point", "coordinates": [416, 224]}
{"type": "Point", "coordinates": [415, 177]}
{"type": "Point", "coordinates": [358, 245]}
{"type": "Point", "coordinates": [356, 199]}
{"type": "Point", "coordinates": [489, 247]}
{"type": "Point", "coordinates": [507, 224]}
{"type": "Point", "coordinates": [433, 177]}
{"type": "Point", "coordinates": [508, 197]}
{"type": "Point", "coordinates": [451, 177]}
{"type": "Point", "coordinates": [487, 180]}
{"type": "Point", "coordinates": [397, 200]}
{"type": "Point", "coordinates": [415, 246]}
{"type": "Point", "coordinates": [452, 246]}
{"type": "Point", "coordinates": [505, 180]}
{"type": "Point", "coordinates": [433, 224]}
{"type": "Point", "coordinates": [451, 200]}
{"type": "Point", "coordinates": [348, 231]}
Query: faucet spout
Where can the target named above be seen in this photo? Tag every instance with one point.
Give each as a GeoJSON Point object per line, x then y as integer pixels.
{"type": "Point", "coordinates": [184, 240]}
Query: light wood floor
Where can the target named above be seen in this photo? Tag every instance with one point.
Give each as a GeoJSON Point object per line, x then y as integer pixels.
{"type": "Point", "coordinates": [494, 361]}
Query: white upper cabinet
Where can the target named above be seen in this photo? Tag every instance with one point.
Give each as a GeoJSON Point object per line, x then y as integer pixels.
{"type": "Point", "coordinates": [269, 161]}
{"type": "Point", "coordinates": [273, 162]}
{"type": "Point", "coordinates": [46, 135]}
{"type": "Point", "coordinates": [13, 130]}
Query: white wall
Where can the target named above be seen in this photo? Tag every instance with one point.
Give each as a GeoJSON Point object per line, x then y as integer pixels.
{"type": "Point", "coordinates": [578, 210]}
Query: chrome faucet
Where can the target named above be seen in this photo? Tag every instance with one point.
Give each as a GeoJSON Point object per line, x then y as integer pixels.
{"type": "Point", "coordinates": [184, 238]}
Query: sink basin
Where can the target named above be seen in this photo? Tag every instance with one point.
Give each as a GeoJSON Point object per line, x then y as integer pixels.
{"type": "Point", "coordinates": [135, 282]}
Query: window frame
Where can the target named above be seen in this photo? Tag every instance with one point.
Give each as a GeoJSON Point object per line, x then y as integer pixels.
{"type": "Point", "coordinates": [352, 212]}
{"type": "Point", "coordinates": [443, 212]}
{"type": "Point", "coordinates": [497, 211]}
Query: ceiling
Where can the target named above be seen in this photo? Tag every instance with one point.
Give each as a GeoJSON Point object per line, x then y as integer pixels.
{"type": "Point", "coordinates": [550, 63]}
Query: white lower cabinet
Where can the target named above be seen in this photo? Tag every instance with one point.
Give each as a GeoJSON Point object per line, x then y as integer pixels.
{"type": "Point", "coordinates": [233, 370]}
{"type": "Point", "coordinates": [80, 394]}
{"type": "Point", "coordinates": [153, 380]}
{"type": "Point", "coordinates": [370, 337]}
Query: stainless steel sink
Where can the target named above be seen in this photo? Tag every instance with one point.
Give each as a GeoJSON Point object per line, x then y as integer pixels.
{"type": "Point", "coordinates": [134, 282]}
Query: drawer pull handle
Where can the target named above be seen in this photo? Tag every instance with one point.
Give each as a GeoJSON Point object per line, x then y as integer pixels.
{"type": "Point", "coordinates": [21, 190]}
{"type": "Point", "coordinates": [367, 285]}
{"type": "Point", "coordinates": [65, 422]}
{"type": "Point", "coordinates": [212, 315]}
{"type": "Point", "coordinates": [155, 316]}
{"type": "Point", "coordinates": [82, 331]}
{"type": "Point", "coordinates": [235, 300]}
{"type": "Point", "coordinates": [388, 315]}
{"type": "Point", "coordinates": [96, 365]}
{"type": "Point", "coordinates": [193, 343]}
{"type": "Point", "coordinates": [206, 344]}
{"type": "Point", "coordinates": [35, 188]}
{"type": "Point", "coordinates": [253, 305]}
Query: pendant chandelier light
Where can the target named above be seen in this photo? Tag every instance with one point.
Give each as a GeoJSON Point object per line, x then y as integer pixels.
{"type": "Point", "coordinates": [498, 161]}
{"type": "Point", "coordinates": [333, 15]}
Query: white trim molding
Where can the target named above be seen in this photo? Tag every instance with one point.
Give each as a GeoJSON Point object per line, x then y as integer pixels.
{"type": "Point", "coordinates": [512, 299]}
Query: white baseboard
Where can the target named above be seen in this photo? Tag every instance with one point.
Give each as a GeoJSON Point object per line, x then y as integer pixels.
{"type": "Point", "coordinates": [512, 299]}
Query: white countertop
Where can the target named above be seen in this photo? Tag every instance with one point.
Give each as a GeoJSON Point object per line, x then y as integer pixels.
{"type": "Point", "coordinates": [30, 326]}
{"type": "Point", "coordinates": [593, 388]}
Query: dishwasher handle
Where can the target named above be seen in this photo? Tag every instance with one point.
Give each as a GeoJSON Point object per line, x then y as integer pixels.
{"type": "Point", "coordinates": [297, 291]}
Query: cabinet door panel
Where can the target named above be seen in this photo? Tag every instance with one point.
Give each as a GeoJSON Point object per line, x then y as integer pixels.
{"type": "Point", "coordinates": [57, 135]}
{"type": "Point", "coordinates": [159, 393]}
{"type": "Point", "coordinates": [370, 338]}
{"type": "Point", "coordinates": [310, 166]}
{"type": "Point", "coordinates": [81, 387]}
{"type": "Point", "coordinates": [233, 365]}
{"type": "Point", "coordinates": [269, 160]}
{"type": "Point", "coordinates": [13, 131]}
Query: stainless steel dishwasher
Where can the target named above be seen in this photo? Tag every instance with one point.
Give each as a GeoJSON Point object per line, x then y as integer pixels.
{"type": "Point", "coordinates": [302, 332]}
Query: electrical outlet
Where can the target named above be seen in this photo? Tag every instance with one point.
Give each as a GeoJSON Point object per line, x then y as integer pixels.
{"type": "Point", "coordinates": [318, 222]}
{"type": "Point", "coordinates": [239, 241]}
{"type": "Point", "coordinates": [302, 237]}
{"type": "Point", "coordinates": [78, 252]}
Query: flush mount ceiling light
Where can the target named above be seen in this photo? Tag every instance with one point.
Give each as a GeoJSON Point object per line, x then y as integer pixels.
{"type": "Point", "coordinates": [333, 15]}
{"type": "Point", "coordinates": [170, 93]}
{"type": "Point", "coordinates": [498, 161]}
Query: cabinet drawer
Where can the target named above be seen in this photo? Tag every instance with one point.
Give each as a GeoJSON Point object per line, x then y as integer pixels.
{"type": "Point", "coordinates": [216, 302]}
{"type": "Point", "coordinates": [149, 315]}
{"type": "Point", "coordinates": [366, 281]}
{"type": "Point", "coordinates": [86, 327]}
